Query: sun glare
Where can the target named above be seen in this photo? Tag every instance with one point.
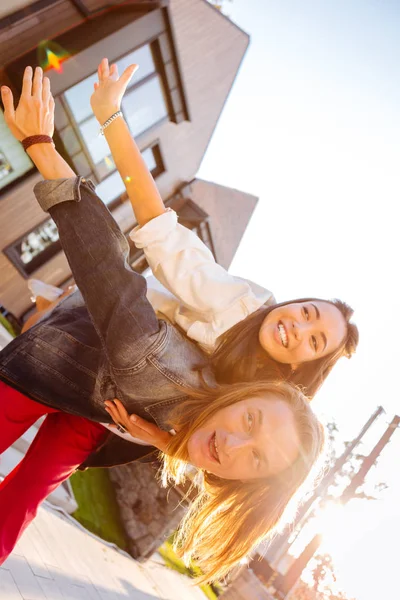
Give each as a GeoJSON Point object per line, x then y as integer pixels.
{"type": "Point", "coordinates": [336, 523]}
{"type": "Point", "coordinates": [330, 522]}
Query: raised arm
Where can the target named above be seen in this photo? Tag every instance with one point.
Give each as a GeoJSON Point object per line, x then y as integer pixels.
{"type": "Point", "coordinates": [96, 249]}
{"type": "Point", "coordinates": [98, 253]}
{"type": "Point", "coordinates": [177, 257]}
{"type": "Point", "coordinates": [140, 186]}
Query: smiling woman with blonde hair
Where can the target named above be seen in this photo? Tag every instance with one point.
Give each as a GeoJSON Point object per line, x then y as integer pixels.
{"type": "Point", "coordinates": [255, 445]}
{"type": "Point", "coordinates": [248, 510]}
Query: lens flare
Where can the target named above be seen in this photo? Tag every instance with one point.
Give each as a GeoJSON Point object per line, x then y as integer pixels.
{"type": "Point", "coordinates": [51, 55]}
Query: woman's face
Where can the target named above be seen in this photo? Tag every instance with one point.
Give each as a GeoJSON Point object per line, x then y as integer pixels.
{"type": "Point", "coordinates": [302, 331]}
{"type": "Point", "coordinates": [252, 439]}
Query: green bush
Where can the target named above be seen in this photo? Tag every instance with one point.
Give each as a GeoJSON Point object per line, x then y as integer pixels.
{"type": "Point", "coordinates": [97, 506]}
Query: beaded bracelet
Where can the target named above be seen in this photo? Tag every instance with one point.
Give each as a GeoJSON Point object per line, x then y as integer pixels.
{"type": "Point", "coordinates": [110, 120]}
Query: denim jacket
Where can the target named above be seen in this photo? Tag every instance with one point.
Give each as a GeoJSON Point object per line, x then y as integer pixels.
{"type": "Point", "coordinates": [73, 361]}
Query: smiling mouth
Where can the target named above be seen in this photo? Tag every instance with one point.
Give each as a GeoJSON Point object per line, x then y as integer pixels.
{"type": "Point", "coordinates": [212, 446]}
{"type": "Point", "coordinates": [282, 334]}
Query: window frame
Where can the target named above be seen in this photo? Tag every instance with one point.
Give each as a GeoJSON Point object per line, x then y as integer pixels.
{"type": "Point", "coordinates": [93, 173]}
{"type": "Point", "coordinates": [47, 254]}
{"type": "Point", "coordinates": [160, 168]}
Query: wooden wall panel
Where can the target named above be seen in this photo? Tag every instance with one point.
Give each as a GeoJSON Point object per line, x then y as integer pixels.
{"type": "Point", "coordinates": [25, 35]}
{"type": "Point", "coordinates": [19, 211]}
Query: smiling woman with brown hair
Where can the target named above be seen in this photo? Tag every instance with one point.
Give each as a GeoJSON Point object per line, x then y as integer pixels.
{"type": "Point", "coordinates": [288, 341]}
{"type": "Point", "coordinates": [248, 335]}
{"type": "Point", "coordinates": [239, 324]}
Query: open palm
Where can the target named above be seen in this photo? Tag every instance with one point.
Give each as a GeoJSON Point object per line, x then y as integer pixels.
{"type": "Point", "coordinates": [109, 90]}
{"type": "Point", "coordinates": [34, 114]}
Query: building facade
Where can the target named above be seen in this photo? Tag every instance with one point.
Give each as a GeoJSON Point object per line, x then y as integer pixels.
{"type": "Point", "coordinates": [189, 55]}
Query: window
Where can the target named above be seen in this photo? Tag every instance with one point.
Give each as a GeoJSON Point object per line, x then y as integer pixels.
{"type": "Point", "coordinates": [14, 162]}
{"type": "Point", "coordinates": [143, 106]}
{"type": "Point", "coordinates": [78, 96]}
{"type": "Point", "coordinates": [35, 248]}
{"type": "Point", "coordinates": [112, 186]}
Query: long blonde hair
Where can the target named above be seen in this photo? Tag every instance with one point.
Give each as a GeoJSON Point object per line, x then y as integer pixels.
{"type": "Point", "coordinates": [228, 518]}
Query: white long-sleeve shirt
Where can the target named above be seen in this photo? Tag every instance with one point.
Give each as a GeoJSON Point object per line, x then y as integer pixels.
{"type": "Point", "coordinates": [204, 299]}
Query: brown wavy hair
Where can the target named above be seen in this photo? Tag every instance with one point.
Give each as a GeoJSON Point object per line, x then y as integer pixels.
{"type": "Point", "coordinates": [229, 518]}
{"type": "Point", "coordinates": [239, 355]}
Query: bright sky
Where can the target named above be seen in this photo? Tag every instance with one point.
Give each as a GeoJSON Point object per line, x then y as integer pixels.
{"type": "Point", "coordinates": [312, 128]}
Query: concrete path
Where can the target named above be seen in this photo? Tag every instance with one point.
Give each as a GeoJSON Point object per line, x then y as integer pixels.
{"type": "Point", "coordinates": [57, 560]}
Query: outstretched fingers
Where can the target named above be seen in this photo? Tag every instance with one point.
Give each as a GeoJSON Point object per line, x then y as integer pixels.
{"type": "Point", "coordinates": [46, 92]}
{"type": "Point", "coordinates": [10, 116]}
{"type": "Point", "coordinates": [136, 426]}
{"type": "Point", "coordinates": [114, 72]}
{"type": "Point", "coordinates": [117, 412]}
{"type": "Point", "coordinates": [27, 82]}
{"type": "Point", "coordinates": [8, 103]}
{"type": "Point", "coordinates": [103, 70]}
{"type": "Point", "coordinates": [37, 84]}
{"type": "Point", "coordinates": [128, 74]}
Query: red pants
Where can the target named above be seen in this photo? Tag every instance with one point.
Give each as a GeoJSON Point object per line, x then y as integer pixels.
{"type": "Point", "coordinates": [62, 443]}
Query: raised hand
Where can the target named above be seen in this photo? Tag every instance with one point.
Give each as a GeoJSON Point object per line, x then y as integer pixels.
{"type": "Point", "coordinates": [136, 426]}
{"type": "Point", "coordinates": [109, 90]}
{"type": "Point", "coordinates": [34, 114]}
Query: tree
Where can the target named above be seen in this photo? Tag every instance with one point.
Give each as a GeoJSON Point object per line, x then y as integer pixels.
{"type": "Point", "coordinates": [323, 570]}
{"type": "Point", "coordinates": [348, 470]}
{"type": "Point", "coordinates": [324, 578]}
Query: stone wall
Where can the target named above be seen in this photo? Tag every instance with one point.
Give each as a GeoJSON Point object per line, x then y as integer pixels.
{"type": "Point", "coordinates": [149, 512]}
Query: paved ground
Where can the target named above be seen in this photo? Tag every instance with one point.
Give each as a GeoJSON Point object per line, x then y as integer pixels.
{"type": "Point", "coordinates": [56, 560]}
